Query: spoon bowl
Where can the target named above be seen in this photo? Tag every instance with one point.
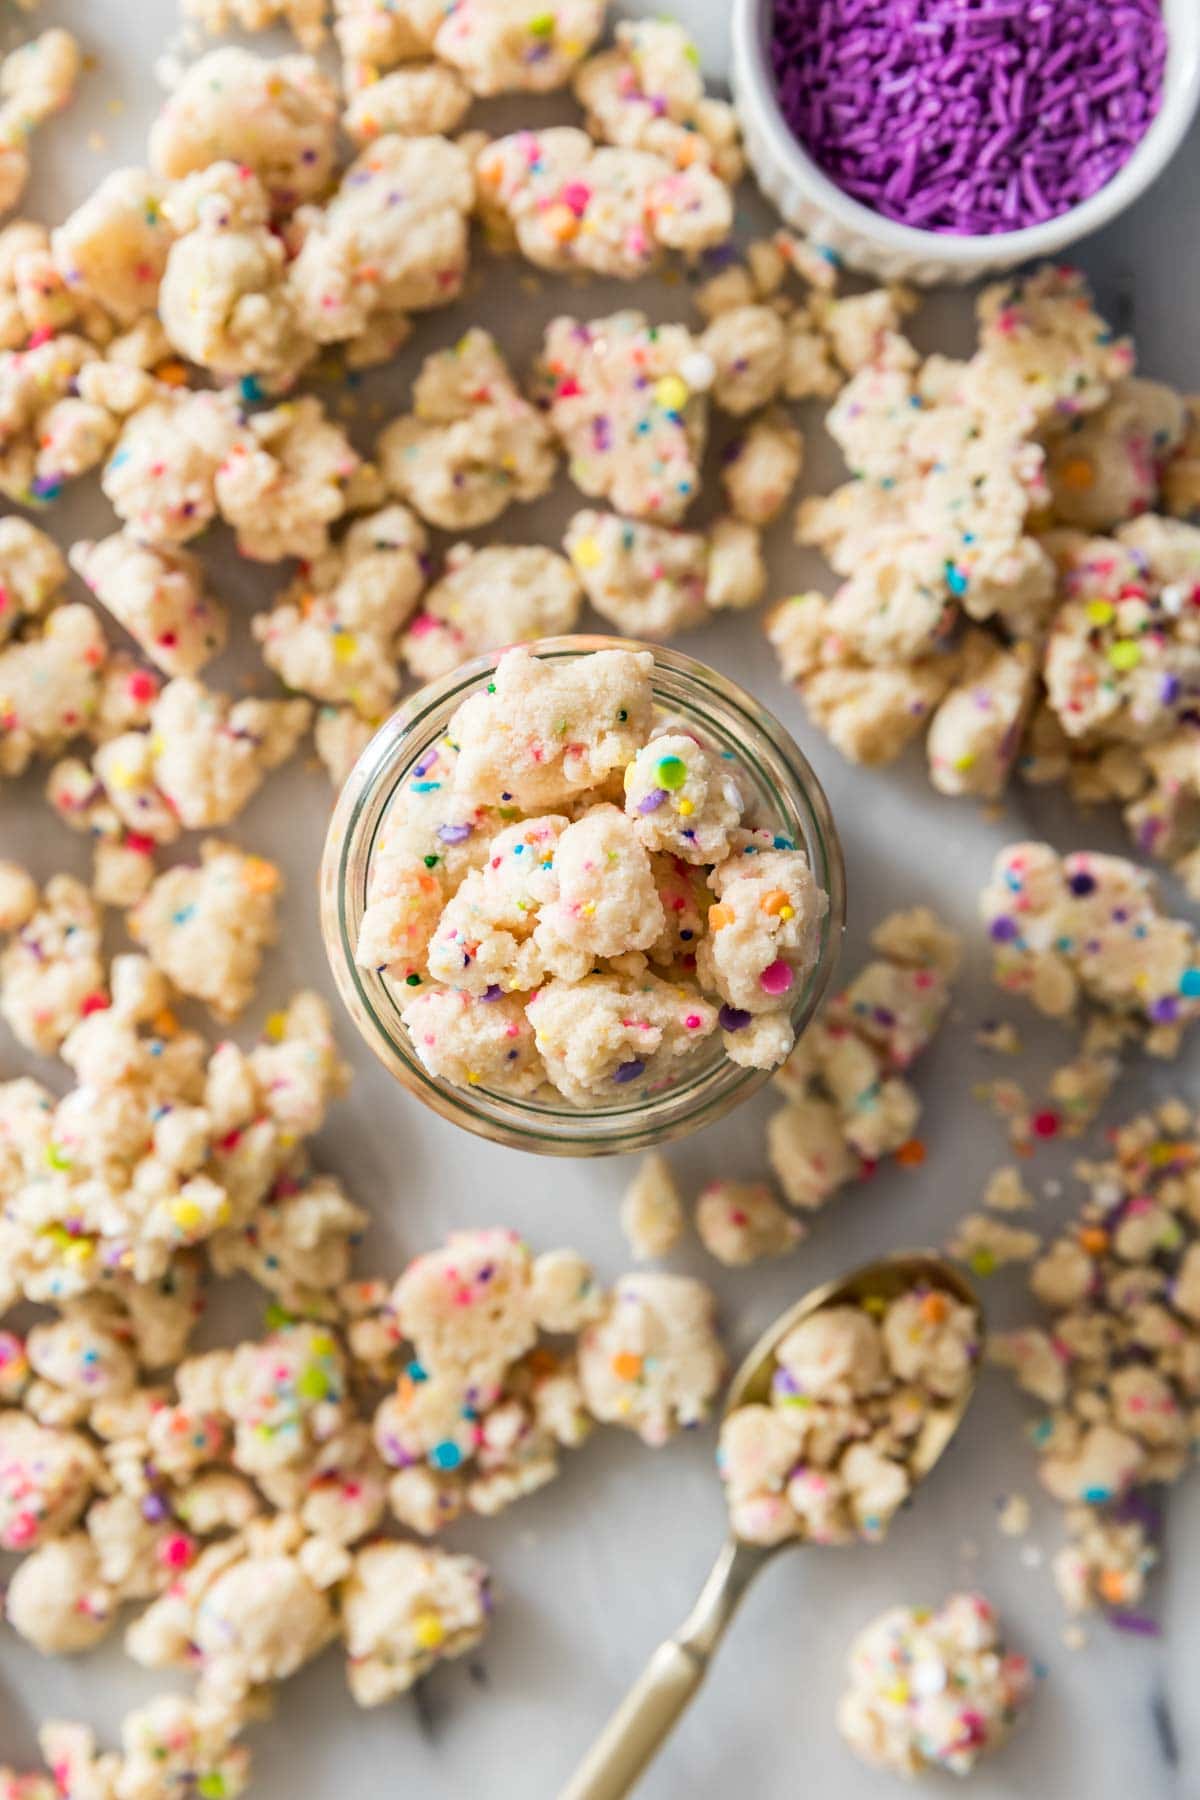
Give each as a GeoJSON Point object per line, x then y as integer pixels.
{"type": "Point", "coordinates": [649, 1712]}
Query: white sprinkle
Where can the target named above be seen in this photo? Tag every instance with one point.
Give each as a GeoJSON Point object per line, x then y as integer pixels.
{"type": "Point", "coordinates": [698, 370]}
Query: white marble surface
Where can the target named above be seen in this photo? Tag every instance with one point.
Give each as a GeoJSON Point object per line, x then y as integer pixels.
{"type": "Point", "coordinates": [592, 1571]}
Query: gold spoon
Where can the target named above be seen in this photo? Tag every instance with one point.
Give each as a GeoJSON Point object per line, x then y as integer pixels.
{"type": "Point", "coordinates": [652, 1707]}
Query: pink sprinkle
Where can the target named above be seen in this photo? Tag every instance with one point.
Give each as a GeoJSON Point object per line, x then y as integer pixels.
{"type": "Point", "coordinates": [778, 978]}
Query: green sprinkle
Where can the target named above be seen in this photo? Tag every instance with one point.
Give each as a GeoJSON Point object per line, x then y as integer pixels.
{"type": "Point", "coordinates": [313, 1383]}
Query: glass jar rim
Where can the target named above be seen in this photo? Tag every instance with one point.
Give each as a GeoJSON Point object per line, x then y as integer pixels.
{"type": "Point", "coordinates": [528, 1123]}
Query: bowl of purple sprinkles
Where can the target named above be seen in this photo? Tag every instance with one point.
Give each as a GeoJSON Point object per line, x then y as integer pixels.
{"type": "Point", "coordinates": [940, 140]}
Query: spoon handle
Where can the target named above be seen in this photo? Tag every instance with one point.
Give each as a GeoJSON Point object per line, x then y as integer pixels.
{"type": "Point", "coordinates": [656, 1701]}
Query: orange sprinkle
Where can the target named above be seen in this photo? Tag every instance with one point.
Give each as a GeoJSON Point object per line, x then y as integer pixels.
{"type": "Point", "coordinates": [934, 1308]}
{"type": "Point", "coordinates": [1111, 1586]}
{"type": "Point", "coordinates": [1094, 1239]}
{"type": "Point", "coordinates": [719, 916]}
{"type": "Point", "coordinates": [627, 1366]}
{"type": "Point", "coordinates": [1078, 474]}
{"type": "Point", "coordinates": [774, 902]}
{"type": "Point", "coordinates": [165, 1023]}
{"type": "Point", "coordinates": [260, 876]}
{"type": "Point", "coordinates": [911, 1154]}
{"type": "Point", "coordinates": [561, 223]}
{"type": "Point", "coordinates": [173, 373]}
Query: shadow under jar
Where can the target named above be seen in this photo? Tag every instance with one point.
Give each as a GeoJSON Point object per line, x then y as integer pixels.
{"type": "Point", "coordinates": [781, 793]}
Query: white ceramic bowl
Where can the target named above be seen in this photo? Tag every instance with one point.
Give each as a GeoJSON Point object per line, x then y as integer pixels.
{"type": "Point", "coordinates": [864, 240]}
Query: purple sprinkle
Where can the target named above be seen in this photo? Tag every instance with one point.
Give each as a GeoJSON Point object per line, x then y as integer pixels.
{"type": "Point", "coordinates": [733, 1019]}
{"type": "Point", "coordinates": [154, 1508]}
{"type": "Point", "coordinates": [630, 1071]}
{"type": "Point", "coordinates": [1165, 1011]}
{"type": "Point", "coordinates": [1137, 1623]}
{"type": "Point", "coordinates": [491, 993]}
{"type": "Point", "coordinates": [1004, 930]}
{"type": "Point", "coordinates": [969, 116]}
{"type": "Point", "coordinates": [653, 800]}
{"type": "Point", "coordinates": [1082, 884]}
{"type": "Point", "coordinates": [454, 834]}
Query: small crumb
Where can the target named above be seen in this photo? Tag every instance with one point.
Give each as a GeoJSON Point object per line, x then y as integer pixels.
{"type": "Point", "coordinates": [652, 1215]}
{"type": "Point", "coordinates": [740, 1222]}
{"type": "Point", "coordinates": [1006, 1192]}
{"type": "Point", "coordinates": [1032, 1557]}
{"type": "Point", "coordinates": [1074, 1637]}
{"type": "Point", "coordinates": [986, 1245]}
{"type": "Point", "coordinates": [1014, 1515]}
{"type": "Point", "coordinates": [999, 1038]}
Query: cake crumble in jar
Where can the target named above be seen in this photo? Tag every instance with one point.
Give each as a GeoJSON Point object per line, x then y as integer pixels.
{"type": "Point", "coordinates": [588, 891]}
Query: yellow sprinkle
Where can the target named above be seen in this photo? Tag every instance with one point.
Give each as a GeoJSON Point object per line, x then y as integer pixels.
{"type": "Point", "coordinates": [275, 1026]}
{"type": "Point", "coordinates": [787, 912]}
{"type": "Point", "coordinates": [187, 1214]}
{"type": "Point", "coordinates": [122, 776]}
{"type": "Point", "coordinates": [428, 1630]}
{"type": "Point", "coordinates": [684, 808]}
{"type": "Point", "coordinates": [1101, 612]}
{"type": "Point", "coordinates": [585, 553]}
{"type": "Point", "coordinates": [671, 393]}
{"type": "Point", "coordinates": [966, 761]}
{"type": "Point", "coordinates": [589, 909]}
{"type": "Point", "coordinates": [345, 646]}
{"type": "Point", "coordinates": [78, 1250]}
{"type": "Point", "coordinates": [1124, 655]}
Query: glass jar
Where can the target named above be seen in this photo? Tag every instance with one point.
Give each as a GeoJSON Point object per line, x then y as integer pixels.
{"type": "Point", "coordinates": [781, 791]}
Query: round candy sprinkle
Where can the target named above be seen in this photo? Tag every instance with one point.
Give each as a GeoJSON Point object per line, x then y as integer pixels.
{"type": "Point", "coordinates": [428, 1630]}
{"type": "Point", "coordinates": [671, 393]}
{"type": "Point", "coordinates": [671, 772]}
{"type": "Point", "coordinates": [969, 116]}
{"type": "Point", "coordinates": [778, 978]}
